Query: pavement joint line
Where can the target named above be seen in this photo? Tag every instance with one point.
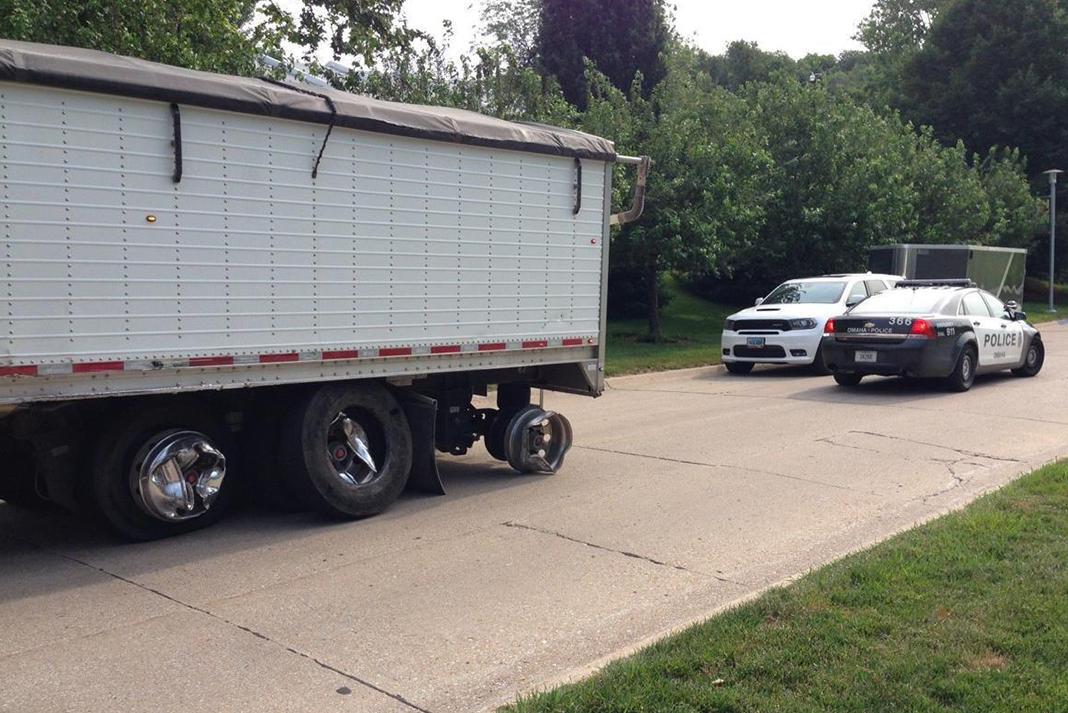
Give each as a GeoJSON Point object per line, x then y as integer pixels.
{"type": "Point", "coordinates": [632, 555]}
{"type": "Point", "coordinates": [322, 664]}
{"type": "Point", "coordinates": [726, 465]}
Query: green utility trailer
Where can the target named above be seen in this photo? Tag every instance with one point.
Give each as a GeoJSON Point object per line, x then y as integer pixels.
{"type": "Point", "coordinates": [1000, 271]}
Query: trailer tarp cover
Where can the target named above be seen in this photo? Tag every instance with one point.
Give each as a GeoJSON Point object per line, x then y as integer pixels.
{"type": "Point", "coordinates": [94, 71]}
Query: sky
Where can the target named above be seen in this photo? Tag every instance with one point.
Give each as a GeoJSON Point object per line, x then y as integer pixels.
{"type": "Point", "coordinates": [797, 27]}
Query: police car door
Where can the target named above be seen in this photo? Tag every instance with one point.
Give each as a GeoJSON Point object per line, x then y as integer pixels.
{"type": "Point", "coordinates": [987, 329]}
{"type": "Point", "coordinates": [1012, 334]}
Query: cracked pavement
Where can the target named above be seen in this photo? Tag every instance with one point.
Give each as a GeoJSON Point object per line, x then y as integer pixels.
{"type": "Point", "coordinates": [686, 492]}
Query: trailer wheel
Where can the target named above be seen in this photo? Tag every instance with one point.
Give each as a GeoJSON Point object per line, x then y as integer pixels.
{"type": "Point", "coordinates": [161, 471]}
{"type": "Point", "coordinates": [348, 448]}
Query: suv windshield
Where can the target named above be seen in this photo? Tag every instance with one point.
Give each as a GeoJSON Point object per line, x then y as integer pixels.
{"type": "Point", "coordinates": [806, 293]}
{"type": "Point", "coordinates": [902, 301]}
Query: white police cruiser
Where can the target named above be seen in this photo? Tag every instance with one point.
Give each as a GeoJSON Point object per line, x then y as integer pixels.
{"type": "Point", "coordinates": [786, 327]}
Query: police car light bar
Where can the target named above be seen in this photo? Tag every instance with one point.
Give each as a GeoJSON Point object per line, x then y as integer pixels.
{"type": "Point", "coordinates": [937, 283]}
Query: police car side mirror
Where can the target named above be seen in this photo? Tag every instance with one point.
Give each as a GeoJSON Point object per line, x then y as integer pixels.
{"type": "Point", "coordinates": [854, 301]}
{"type": "Point", "coordinates": [1020, 316]}
{"type": "Point", "coordinates": [759, 301]}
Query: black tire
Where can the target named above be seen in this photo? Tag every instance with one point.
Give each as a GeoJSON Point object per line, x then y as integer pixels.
{"type": "Point", "coordinates": [963, 375]}
{"type": "Point", "coordinates": [113, 464]}
{"type": "Point", "coordinates": [819, 365]}
{"type": "Point", "coordinates": [1036, 357]}
{"type": "Point", "coordinates": [18, 475]}
{"type": "Point", "coordinates": [495, 434]}
{"type": "Point", "coordinates": [739, 367]}
{"type": "Point", "coordinates": [306, 451]}
{"type": "Point", "coordinates": [849, 380]}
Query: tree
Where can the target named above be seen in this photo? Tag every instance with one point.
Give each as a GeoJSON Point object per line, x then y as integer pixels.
{"type": "Point", "coordinates": [898, 26]}
{"type": "Point", "coordinates": [995, 73]}
{"type": "Point", "coordinates": [622, 38]}
{"type": "Point", "coordinates": [201, 34]}
{"type": "Point", "coordinates": [212, 35]}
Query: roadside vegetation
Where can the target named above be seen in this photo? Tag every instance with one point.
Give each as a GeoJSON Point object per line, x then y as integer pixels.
{"type": "Point", "coordinates": [690, 336]}
{"type": "Point", "coordinates": [966, 613]}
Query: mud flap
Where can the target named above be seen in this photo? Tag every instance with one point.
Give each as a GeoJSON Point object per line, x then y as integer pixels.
{"type": "Point", "coordinates": [422, 416]}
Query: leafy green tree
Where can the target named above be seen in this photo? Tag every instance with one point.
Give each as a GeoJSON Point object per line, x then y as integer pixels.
{"type": "Point", "coordinates": [621, 37]}
{"type": "Point", "coordinates": [201, 34]}
{"type": "Point", "coordinates": [708, 187]}
{"type": "Point", "coordinates": [899, 26]}
{"type": "Point", "coordinates": [995, 73]}
{"type": "Point", "coordinates": [213, 35]}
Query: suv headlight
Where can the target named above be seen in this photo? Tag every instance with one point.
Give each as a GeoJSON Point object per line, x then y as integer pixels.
{"type": "Point", "coordinates": [728, 326]}
{"type": "Point", "coordinates": [802, 324]}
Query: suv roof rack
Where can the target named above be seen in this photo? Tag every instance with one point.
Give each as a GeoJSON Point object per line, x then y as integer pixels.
{"type": "Point", "coordinates": [937, 283]}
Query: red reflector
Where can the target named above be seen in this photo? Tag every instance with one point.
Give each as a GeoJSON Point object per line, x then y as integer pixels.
{"type": "Point", "coordinates": [491, 347]}
{"type": "Point", "coordinates": [395, 351]}
{"type": "Point", "coordinates": [922, 328]}
{"type": "Point", "coordinates": [94, 366]}
{"type": "Point", "coordinates": [445, 349]}
{"type": "Point", "coordinates": [275, 358]}
{"type": "Point", "coordinates": [211, 361]}
{"type": "Point", "coordinates": [572, 342]}
{"type": "Point", "coordinates": [536, 344]}
{"type": "Point", "coordinates": [341, 354]}
{"type": "Point", "coordinates": [18, 371]}
{"type": "Point", "coordinates": [829, 327]}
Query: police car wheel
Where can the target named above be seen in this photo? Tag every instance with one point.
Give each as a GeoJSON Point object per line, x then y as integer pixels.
{"type": "Point", "coordinates": [1036, 356]}
{"type": "Point", "coordinates": [850, 380]}
{"type": "Point", "coordinates": [740, 367]}
{"type": "Point", "coordinates": [963, 375]}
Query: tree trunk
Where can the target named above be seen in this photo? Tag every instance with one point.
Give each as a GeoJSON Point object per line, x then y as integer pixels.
{"type": "Point", "coordinates": [652, 287]}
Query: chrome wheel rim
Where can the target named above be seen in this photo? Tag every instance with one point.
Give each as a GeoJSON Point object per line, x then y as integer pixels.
{"type": "Point", "coordinates": [1032, 356]}
{"type": "Point", "coordinates": [351, 450]}
{"type": "Point", "coordinates": [966, 368]}
{"type": "Point", "coordinates": [177, 475]}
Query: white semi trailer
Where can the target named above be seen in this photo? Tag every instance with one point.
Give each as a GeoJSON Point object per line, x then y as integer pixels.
{"type": "Point", "coordinates": [211, 279]}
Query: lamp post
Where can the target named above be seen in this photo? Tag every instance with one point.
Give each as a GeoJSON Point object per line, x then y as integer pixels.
{"type": "Point", "coordinates": [1052, 229]}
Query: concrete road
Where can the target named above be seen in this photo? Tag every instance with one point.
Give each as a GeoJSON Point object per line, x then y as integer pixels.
{"type": "Point", "coordinates": [686, 492]}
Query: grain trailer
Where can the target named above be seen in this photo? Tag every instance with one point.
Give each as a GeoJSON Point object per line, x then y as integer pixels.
{"type": "Point", "coordinates": [215, 281]}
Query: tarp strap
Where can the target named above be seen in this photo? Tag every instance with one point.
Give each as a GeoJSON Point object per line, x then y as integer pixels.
{"type": "Point", "coordinates": [329, 126]}
{"type": "Point", "coordinates": [176, 119]}
{"type": "Point", "coordinates": [578, 186]}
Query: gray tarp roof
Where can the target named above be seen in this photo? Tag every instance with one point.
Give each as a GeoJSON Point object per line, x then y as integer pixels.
{"type": "Point", "coordinates": [90, 70]}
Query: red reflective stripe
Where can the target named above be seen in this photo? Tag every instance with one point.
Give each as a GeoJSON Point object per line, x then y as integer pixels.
{"type": "Point", "coordinates": [536, 343]}
{"type": "Point", "coordinates": [491, 347]}
{"type": "Point", "coordinates": [341, 354]}
{"type": "Point", "coordinates": [395, 351]}
{"type": "Point", "coordinates": [445, 349]}
{"type": "Point", "coordinates": [212, 361]}
{"type": "Point", "coordinates": [28, 370]}
{"type": "Point", "coordinates": [94, 366]}
{"type": "Point", "coordinates": [275, 358]}
{"type": "Point", "coordinates": [573, 342]}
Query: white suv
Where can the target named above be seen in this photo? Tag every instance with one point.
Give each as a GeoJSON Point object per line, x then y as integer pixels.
{"type": "Point", "coordinates": [786, 327]}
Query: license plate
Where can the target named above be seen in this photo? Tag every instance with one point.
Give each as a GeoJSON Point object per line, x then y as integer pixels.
{"type": "Point", "coordinates": [755, 342]}
{"type": "Point", "coordinates": [867, 357]}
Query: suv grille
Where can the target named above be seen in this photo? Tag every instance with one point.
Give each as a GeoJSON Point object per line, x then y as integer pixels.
{"type": "Point", "coordinates": [762, 325]}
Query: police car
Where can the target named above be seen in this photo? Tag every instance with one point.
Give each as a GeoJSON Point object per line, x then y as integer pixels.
{"type": "Point", "coordinates": [786, 327]}
{"type": "Point", "coordinates": [948, 329]}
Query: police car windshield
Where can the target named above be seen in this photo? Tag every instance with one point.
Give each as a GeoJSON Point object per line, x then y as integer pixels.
{"type": "Point", "coordinates": [826, 293]}
{"type": "Point", "coordinates": [901, 301]}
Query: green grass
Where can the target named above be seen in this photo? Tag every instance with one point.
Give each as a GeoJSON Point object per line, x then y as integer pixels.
{"type": "Point", "coordinates": [1037, 311]}
{"type": "Point", "coordinates": [690, 327]}
{"type": "Point", "coordinates": [967, 613]}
